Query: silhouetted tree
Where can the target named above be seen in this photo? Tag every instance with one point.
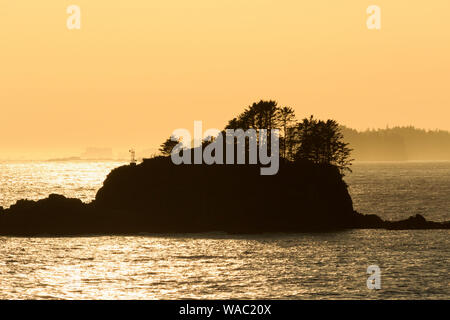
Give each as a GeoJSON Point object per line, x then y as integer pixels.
{"type": "Point", "coordinates": [261, 115]}
{"type": "Point", "coordinates": [208, 140]}
{"type": "Point", "coordinates": [168, 145]}
{"type": "Point", "coordinates": [286, 119]}
{"type": "Point", "coordinates": [313, 140]}
{"type": "Point", "coordinates": [322, 142]}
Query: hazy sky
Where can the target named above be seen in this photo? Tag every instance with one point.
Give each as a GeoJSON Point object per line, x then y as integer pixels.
{"type": "Point", "coordinates": [138, 69]}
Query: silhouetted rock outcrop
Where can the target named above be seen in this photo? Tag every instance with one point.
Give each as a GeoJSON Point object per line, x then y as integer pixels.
{"type": "Point", "coordinates": [373, 221]}
{"type": "Point", "coordinates": [157, 196]}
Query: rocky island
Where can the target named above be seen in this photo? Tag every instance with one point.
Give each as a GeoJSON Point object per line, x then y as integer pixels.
{"type": "Point", "coordinates": [157, 196]}
{"type": "Point", "coordinates": [307, 193]}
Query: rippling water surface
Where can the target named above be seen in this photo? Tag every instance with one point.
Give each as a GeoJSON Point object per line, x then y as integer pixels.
{"type": "Point", "coordinates": [414, 264]}
{"type": "Point", "coordinates": [397, 190]}
{"type": "Point", "coordinates": [36, 180]}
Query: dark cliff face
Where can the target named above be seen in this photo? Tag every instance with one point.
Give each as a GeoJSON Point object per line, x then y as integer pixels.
{"type": "Point", "coordinates": [157, 196]}
{"type": "Point", "coordinates": [233, 198]}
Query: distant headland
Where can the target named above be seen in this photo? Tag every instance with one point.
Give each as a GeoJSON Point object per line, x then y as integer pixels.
{"type": "Point", "coordinates": [308, 194]}
{"type": "Point", "coordinates": [398, 144]}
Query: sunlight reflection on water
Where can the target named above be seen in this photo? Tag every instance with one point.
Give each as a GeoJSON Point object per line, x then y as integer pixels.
{"type": "Point", "coordinates": [414, 264]}
{"type": "Point", "coordinates": [36, 180]}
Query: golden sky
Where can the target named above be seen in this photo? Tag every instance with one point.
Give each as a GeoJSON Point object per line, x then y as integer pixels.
{"type": "Point", "coordinates": [138, 69]}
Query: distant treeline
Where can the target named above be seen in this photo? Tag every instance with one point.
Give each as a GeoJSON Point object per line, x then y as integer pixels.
{"type": "Point", "coordinates": [398, 144]}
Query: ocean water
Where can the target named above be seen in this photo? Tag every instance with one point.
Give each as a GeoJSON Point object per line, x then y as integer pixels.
{"type": "Point", "coordinates": [397, 190]}
{"type": "Point", "coordinates": [36, 180]}
{"type": "Point", "coordinates": [414, 264]}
